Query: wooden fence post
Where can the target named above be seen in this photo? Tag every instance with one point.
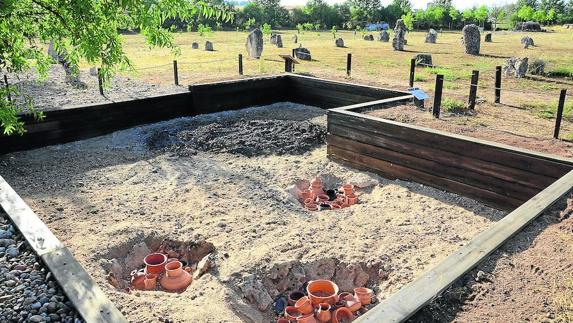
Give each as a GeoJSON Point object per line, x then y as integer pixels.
{"type": "Point", "coordinates": [240, 64]}
{"type": "Point", "coordinates": [7, 88]}
{"type": "Point", "coordinates": [498, 84]}
{"type": "Point", "coordinates": [412, 71]}
{"type": "Point", "coordinates": [438, 95]}
{"type": "Point", "coordinates": [175, 73]}
{"type": "Point", "coordinates": [348, 64]}
{"type": "Point", "coordinates": [473, 90]}
{"type": "Point", "coordinates": [100, 81]}
{"type": "Point", "coordinates": [559, 115]}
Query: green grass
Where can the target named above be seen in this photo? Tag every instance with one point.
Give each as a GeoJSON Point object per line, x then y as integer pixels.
{"type": "Point", "coordinates": [449, 74]}
{"type": "Point", "coordinates": [549, 110]}
{"type": "Point", "coordinates": [562, 71]}
{"type": "Point", "coordinates": [453, 105]}
{"type": "Point", "coordinates": [420, 77]}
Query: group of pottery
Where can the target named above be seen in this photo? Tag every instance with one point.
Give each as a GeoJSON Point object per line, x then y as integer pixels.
{"type": "Point", "coordinates": [317, 198]}
{"type": "Point", "coordinates": [322, 303]}
{"type": "Point", "coordinates": [170, 272]}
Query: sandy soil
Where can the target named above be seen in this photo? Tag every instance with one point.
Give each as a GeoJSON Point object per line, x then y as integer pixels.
{"type": "Point", "coordinates": [105, 195]}
{"type": "Point", "coordinates": [518, 128]}
{"type": "Point", "coordinates": [528, 279]}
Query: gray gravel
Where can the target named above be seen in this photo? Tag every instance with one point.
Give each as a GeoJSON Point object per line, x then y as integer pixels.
{"type": "Point", "coordinates": [28, 292]}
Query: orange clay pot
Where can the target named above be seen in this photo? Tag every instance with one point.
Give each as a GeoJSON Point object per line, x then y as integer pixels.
{"type": "Point", "coordinates": [364, 295]}
{"type": "Point", "coordinates": [323, 312]}
{"type": "Point", "coordinates": [316, 182]}
{"type": "Point", "coordinates": [294, 296]}
{"type": "Point", "coordinates": [175, 278]}
{"type": "Point", "coordinates": [305, 194]}
{"type": "Point", "coordinates": [352, 199]}
{"type": "Point", "coordinates": [282, 320]}
{"type": "Point", "coordinates": [309, 318]}
{"type": "Point", "coordinates": [138, 279]}
{"type": "Point", "coordinates": [352, 303]}
{"type": "Point", "coordinates": [304, 306]}
{"type": "Point", "coordinates": [292, 313]}
{"type": "Point", "coordinates": [155, 263]}
{"type": "Point", "coordinates": [312, 207]}
{"type": "Point", "coordinates": [150, 281]}
{"type": "Point", "coordinates": [342, 315]}
{"type": "Point", "coordinates": [336, 206]}
{"type": "Point", "coordinates": [322, 291]}
{"type": "Point", "coordinates": [323, 198]}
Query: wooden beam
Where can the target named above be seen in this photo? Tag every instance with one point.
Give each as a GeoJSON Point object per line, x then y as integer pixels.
{"type": "Point", "coordinates": [87, 298]}
{"type": "Point", "coordinates": [411, 298]}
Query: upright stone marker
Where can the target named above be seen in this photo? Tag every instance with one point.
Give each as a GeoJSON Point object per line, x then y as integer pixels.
{"type": "Point", "coordinates": [339, 42]}
{"type": "Point", "coordinates": [209, 46]}
{"type": "Point", "coordinates": [488, 38]}
{"type": "Point", "coordinates": [472, 39]}
{"type": "Point", "coordinates": [384, 36]}
{"type": "Point", "coordinates": [399, 35]}
{"type": "Point", "coordinates": [255, 43]}
{"type": "Point", "coordinates": [431, 36]}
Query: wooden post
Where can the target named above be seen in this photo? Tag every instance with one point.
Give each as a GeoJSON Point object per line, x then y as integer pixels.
{"type": "Point", "coordinates": [100, 81]}
{"type": "Point", "coordinates": [473, 90]}
{"type": "Point", "coordinates": [175, 73]}
{"type": "Point", "coordinates": [240, 64]}
{"type": "Point", "coordinates": [498, 84]}
{"type": "Point", "coordinates": [559, 115]}
{"type": "Point", "coordinates": [412, 71]}
{"type": "Point", "coordinates": [294, 52]}
{"type": "Point", "coordinates": [438, 95]}
{"type": "Point", "coordinates": [7, 88]}
{"type": "Point", "coordinates": [349, 64]}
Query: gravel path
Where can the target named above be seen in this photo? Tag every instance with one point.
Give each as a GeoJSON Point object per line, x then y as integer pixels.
{"type": "Point", "coordinates": [55, 94]}
{"type": "Point", "coordinates": [28, 292]}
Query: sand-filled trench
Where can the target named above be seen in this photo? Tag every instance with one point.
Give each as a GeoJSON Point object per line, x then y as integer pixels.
{"type": "Point", "coordinates": [104, 196]}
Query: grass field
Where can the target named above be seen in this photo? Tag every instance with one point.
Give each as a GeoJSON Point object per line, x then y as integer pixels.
{"type": "Point", "coordinates": [375, 63]}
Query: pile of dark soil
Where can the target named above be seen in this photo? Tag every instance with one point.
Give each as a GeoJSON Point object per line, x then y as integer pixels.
{"type": "Point", "coordinates": [244, 137]}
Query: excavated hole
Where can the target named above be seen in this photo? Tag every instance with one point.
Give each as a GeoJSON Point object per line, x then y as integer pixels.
{"type": "Point", "coordinates": [127, 257]}
{"type": "Point", "coordinates": [263, 287]}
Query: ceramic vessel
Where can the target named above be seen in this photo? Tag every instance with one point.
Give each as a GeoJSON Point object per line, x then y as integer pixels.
{"type": "Point", "coordinates": [323, 312]}
{"type": "Point", "coordinates": [155, 263]}
{"type": "Point", "coordinates": [322, 291]}
{"type": "Point", "coordinates": [304, 305]}
{"type": "Point", "coordinates": [150, 281]}
{"type": "Point", "coordinates": [342, 315]}
{"type": "Point", "coordinates": [352, 303]}
{"type": "Point", "coordinates": [294, 296]}
{"type": "Point", "coordinates": [292, 313]}
{"type": "Point", "coordinates": [364, 295]}
{"type": "Point", "coordinates": [282, 320]}
{"type": "Point", "coordinates": [348, 189]}
{"type": "Point", "coordinates": [352, 199]}
{"type": "Point", "coordinates": [323, 198]}
{"type": "Point", "coordinates": [175, 278]}
{"type": "Point", "coordinates": [309, 318]}
{"type": "Point", "coordinates": [138, 279]}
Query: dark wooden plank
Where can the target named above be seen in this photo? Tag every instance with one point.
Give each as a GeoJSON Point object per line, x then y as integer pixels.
{"type": "Point", "coordinates": [488, 169]}
{"type": "Point", "coordinates": [524, 159]}
{"type": "Point", "coordinates": [411, 298]}
{"type": "Point", "coordinates": [510, 189]}
{"type": "Point", "coordinates": [397, 171]}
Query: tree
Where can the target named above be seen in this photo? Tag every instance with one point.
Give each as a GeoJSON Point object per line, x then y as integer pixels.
{"type": "Point", "coordinates": [495, 15]}
{"type": "Point", "coordinates": [454, 15]}
{"type": "Point", "coordinates": [85, 30]}
{"type": "Point", "coordinates": [525, 13]}
{"type": "Point", "coordinates": [409, 20]}
{"type": "Point", "coordinates": [480, 15]}
{"type": "Point", "coordinates": [467, 15]}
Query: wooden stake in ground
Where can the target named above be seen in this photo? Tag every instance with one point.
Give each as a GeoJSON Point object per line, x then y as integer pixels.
{"type": "Point", "coordinates": [100, 81]}
{"type": "Point", "coordinates": [473, 90]}
{"type": "Point", "coordinates": [498, 84]}
{"type": "Point", "coordinates": [412, 71]}
{"type": "Point", "coordinates": [175, 73]}
{"type": "Point", "coordinates": [559, 115]}
{"type": "Point", "coordinates": [240, 64]}
{"type": "Point", "coordinates": [348, 64]}
{"type": "Point", "coordinates": [438, 95]}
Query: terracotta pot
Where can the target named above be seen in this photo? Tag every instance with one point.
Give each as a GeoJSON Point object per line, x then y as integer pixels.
{"type": "Point", "coordinates": [155, 263]}
{"type": "Point", "coordinates": [335, 206]}
{"type": "Point", "coordinates": [171, 260]}
{"type": "Point", "coordinates": [309, 318]}
{"type": "Point", "coordinates": [304, 305]}
{"type": "Point", "coordinates": [364, 295]}
{"type": "Point", "coordinates": [138, 279]}
{"type": "Point", "coordinates": [292, 313]}
{"type": "Point", "coordinates": [312, 207]}
{"type": "Point", "coordinates": [323, 198]}
{"type": "Point", "coordinates": [352, 303]}
{"type": "Point", "coordinates": [150, 281]}
{"type": "Point", "coordinates": [175, 278]}
{"type": "Point", "coordinates": [188, 269]}
{"type": "Point", "coordinates": [348, 189]}
{"type": "Point", "coordinates": [352, 199]}
{"type": "Point", "coordinates": [322, 291]}
{"type": "Point", "coordinates": [343, 295]}
{"type": "Point", "coordinates": [342, 315]}
{"type": "Point", "coordinates": [323, 312]}
{"type": "Point", "coordinates": [305, 194]}
{"type": "Point", "coordinates": [294, 296]}
{"type": "Point", "coordinates": [316, 182]}
{"type": "Point", "coordinates": [309, 201]}
{"type": "Point", "coordinates": [282, 320]}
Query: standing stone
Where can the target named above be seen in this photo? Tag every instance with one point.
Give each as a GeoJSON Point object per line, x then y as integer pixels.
{"type": "Point", "coordinates": [537, 67]}
{"type": "Point", "coordinates": [195, 45]}
{"type": "Point", "coordinates": [369, 38]}
{"type": "Point", "coordinates": [302, 54]}
{"type": "Point", "coordinates": [472, 39]}
{"type": "Point", "coordinates": [279, 41]}
{"type": "Point", "coordinates": [487, 38]}
{"type": "Point", "coordinates": [384, 36]}
{"type": "Point", "coordinates": [423, 60]}
{"type": "Point", "coordinates": [339, 42]}
{"type": "Point", "coordinates": [295, 39]}
{"type": "Point", "coordinates": [274, 38]}
{"type": "Point", "coordinates": [516, 66]}
{"type": "Point", "coordinates": [399, 35]}
{"type": "Point", "coordinates": [93, 71]}
{"type": "Point", "coordinates": [209, 46]}
{"type": "Point", "coordinates": [431, 36]}
{"type": "Point", "coordinates": [527, 41]}
{"type": "Point", "coordinates": [255, 43]}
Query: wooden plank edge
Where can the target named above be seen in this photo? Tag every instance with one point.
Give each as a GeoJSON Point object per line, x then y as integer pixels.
{"type": "Point", "coordinates": [411, 298]}
{"type": "Point", "coordinates": [306, 77]}
{"type": "Point", "coordinates": [87, 298]}
{"type": "Point", "coordinates": [405, 98]}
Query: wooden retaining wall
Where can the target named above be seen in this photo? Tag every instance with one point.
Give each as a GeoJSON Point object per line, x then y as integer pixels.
{"type": "Point", "coordinates": [497, 175]}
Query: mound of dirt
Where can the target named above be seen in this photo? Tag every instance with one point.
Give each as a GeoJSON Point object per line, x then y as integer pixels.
{"type": "Point", "coordinates": [244, 137]}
